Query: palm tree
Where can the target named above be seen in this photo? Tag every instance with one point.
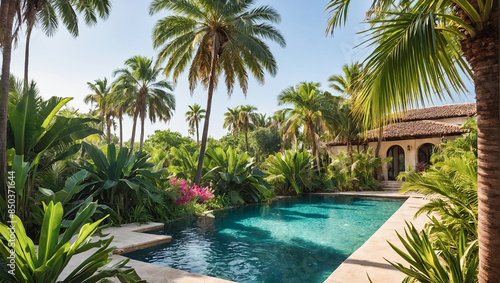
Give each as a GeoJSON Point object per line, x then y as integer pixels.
{"type": "Point", "coordinates": [101, 96]}
{"type": "Point", "coordinates": [232, 120]}
{"type": "Point", "coordinates": [347, 82]}
{"type": "Point", "coordinates": [422, 49]}
{"type": "Point", "coordinates": [122, 99]}
{"type": "Point", "coordinates": [8, 11]}
{"type": "Point", "coordinates": [261, 120]}
{"type": "Point", "coordinates": [151, 98]}
{"type": "Point", "coordinates": [11, 11]}
{"type": "Point", "coordinates": [309, 105]}
{"type": "Point", "coordinates": [246, 118]}
{"type": "Point", "coordinates": [216, 37]}
{"type": "Point", "coordinates": [193, 116]}
{"type": "Point", "coordinates": [48, 13]}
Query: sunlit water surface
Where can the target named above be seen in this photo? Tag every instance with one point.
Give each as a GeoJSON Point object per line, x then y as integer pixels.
{"type": "Point", "coordinates": [290, 240]}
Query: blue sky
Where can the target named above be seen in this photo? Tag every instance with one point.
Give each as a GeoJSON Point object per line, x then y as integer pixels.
{"type": "Point", "coordinates": [62, 65]}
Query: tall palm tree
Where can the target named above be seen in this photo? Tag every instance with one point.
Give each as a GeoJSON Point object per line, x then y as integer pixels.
{"type": "Point", "coordinates": [10, 12]}
{"type": "Point", "coordinates": [122, 98]}
{"type": "Point", "coordinates": [216, 36]}
{"type": "Point", "coordinates": [100, 95]}
{"type": "Point", "coordinates": [8, 30]}
{"type": "Point", "coordinates": [232, 120]}
{"type": "Point", "coordinates": [422, 50]}
{"type": "Point", "coordinates": [151, 98]}
{"type": "Point", "coordinates": [193, 116]}
{"type": "Point", "coordinates": [246, 118]}
{"type": "Point", "coordinates": [343, 123]}
{"type": "Point", "coordinates": [347, 82]}
{"type": "Point", "coordinates": [309, 105]}
{"type": "Point", "coordinates": [48, 13]}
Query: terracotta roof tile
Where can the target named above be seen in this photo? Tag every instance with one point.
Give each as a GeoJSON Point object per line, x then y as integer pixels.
{"type": "Point", "coordinates": [440, 112]}
{"type": "Point", "coordinates": [412, 130]}
{"type": "Point", "coordinates": [416, 129]}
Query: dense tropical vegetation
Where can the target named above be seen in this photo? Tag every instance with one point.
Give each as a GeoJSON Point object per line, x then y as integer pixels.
{"type": "Point", "coordinates": [424, 49]}
{"type": "Point", "coordinates": [72, 177]}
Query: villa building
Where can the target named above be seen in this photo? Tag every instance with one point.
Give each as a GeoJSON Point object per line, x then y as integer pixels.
{"type": "Point", "coordinates": [411, 140]}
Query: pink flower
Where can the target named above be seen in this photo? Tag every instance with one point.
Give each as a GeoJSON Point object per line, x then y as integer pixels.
{"type": "Point", "coordinates": [190, 193]}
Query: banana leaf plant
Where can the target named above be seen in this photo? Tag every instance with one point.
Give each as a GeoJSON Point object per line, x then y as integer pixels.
{"type": "Point", "coordinates": [291, 172]}
{"type": "Point", "coordinates": [120, 180]}
{"type": "Point", "coordinates": [183, 163]}
{"type": "Point", "coordinates": [55, 251]}
{"type": "Point", "coordinates": [37, 137]}
{"type": "Point", "coordinates": [233, 174]}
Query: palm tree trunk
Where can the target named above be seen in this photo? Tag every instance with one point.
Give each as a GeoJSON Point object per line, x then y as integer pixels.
{"type": "Point", "coordinates": [143, 118]}
{"type": "Point", "coordinates": [120, 119]}
{"type": "Point", "coordinates": [7, 13]}
{"type": "Point", "coordinates": [378, 172]}
{"type": "Point", "coordinates": [197, 133]}
{"type": "Point", "coordinates": [108, 128]}
{"type": "Point", "coordinates": [482, 53]}
{"type": "Point", "coordinates": [134, 126]}
{"type": "Point", "coordinates": [315, 148]}
{"type": "Point", "coordinates": [379, 141]}
{"type": "Point", "coordinates": [215, 49]}
{"type": "Point", "coordinates": [27, 57]}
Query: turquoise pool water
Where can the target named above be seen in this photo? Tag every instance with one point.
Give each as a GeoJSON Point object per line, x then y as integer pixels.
{"type": "Point", "coordinates": [290, 240]}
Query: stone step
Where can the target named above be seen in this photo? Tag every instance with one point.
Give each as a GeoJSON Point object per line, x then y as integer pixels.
{"type": "Point", "coordinates": [392, 185]}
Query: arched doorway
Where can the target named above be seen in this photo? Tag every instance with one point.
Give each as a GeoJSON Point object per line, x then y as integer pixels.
{"type": "Point", "coordinates": [398, 161]}
{"type": "Point", "coordinates": [424, 153]}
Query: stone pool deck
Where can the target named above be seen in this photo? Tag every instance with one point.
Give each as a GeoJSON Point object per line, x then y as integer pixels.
{"type": "Point", "coordinates": [368, 259]}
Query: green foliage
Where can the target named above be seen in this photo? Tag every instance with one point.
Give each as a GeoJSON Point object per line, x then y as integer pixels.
{"type": "Point", "coordinates": [437, 261]}
{"type": "Point", "coordinates": [236, 141]}
{"type": "Point", "coordinates": [139, 214]}
{"type": "Point", "coordinates": [458, 147]}
{"type": "Point", "coordinates": [37, 138]}
{"type": "Point", "coordinates": [450, 184]}
{"type": "Point", "coordinates": [165, 140]}
{"type": "Point", "coordinates": [122, 181]}
{"type": "Point", "coordinates": [233, 174]}
{"type": "Point", "coordinates": [355, 170]}
{"type": "Point", "coordinates": [265, 141]}
{"type": "Point", "coordinates": [54, 252]}
{"type": "Point", "coordinates": [291, 173]}
{"type": "Point", "coordinates": [183, 163]}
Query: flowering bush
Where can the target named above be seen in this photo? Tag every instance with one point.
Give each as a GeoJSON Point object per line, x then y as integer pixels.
{"type": "Point", "coordinates": [190, 193]}
{"type": "Point", "coordinates": [421, 166]}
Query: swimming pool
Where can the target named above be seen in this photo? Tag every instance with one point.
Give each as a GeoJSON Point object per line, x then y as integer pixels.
{"type": "Point", "coordinates": [290, 240]}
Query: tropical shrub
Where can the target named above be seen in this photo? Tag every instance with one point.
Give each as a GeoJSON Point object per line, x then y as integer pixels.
{"type": "Point", "coordinates": [264, 142]}
{"type": "Point", "coordinates": [37, 138]}
{"type": "Point", "coordinates": [183, 163]}
{"type": "Point", "coordinates": [46, 263]}
{"type": "Point", "coordinates": [189, 193]}
{"type": "Point", "coordinates": [291, 173]}
{"type": "Point", "coordinates": [121, 180]}
{"type": "Point", "coordinates": [232, 173]}
{"type": "Point", "coordinates": [355, 170]}
{"type": "Point", "coordinates": [434, 261]}
{"type": "Point", "coordinates": [447, 249]}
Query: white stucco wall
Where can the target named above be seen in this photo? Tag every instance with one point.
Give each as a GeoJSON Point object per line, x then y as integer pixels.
{"type": "Point", "coordinates": [410, 148]}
